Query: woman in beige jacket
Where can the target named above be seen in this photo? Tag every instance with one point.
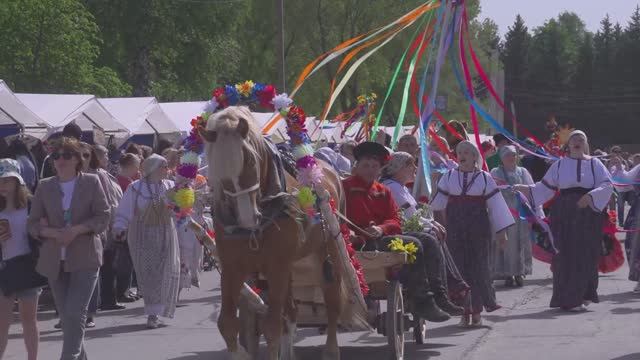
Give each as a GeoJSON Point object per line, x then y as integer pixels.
{"type": "Point", "coordinates": [69, 211]}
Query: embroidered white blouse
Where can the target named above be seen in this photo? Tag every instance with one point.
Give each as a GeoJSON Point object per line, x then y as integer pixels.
{"type": "Point", "coordinates": [568, 173]}
{"type": "Point", "coordinates": [477, 183]}
{"type": "Point", "coordinates": [138, 189]}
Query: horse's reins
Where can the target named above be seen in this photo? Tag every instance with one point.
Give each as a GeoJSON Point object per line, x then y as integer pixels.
{"type": "Point", "coordinates": [354, 226]}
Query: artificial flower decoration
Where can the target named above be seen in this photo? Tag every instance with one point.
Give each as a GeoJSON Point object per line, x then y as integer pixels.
{"type": "Point", "coordinates": [245, 88]}
{"type": "Point", "coordinates": [185, 198]}
{"type": "Point", "coordinates": [397, 245]}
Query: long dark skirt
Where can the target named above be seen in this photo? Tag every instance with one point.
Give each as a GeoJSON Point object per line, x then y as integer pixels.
{"type": "Point", "coordinates": [469, 238]}
{"type": "Point", "coordinates": [631, 242]}
{"type": "Point", "coordinates": [578, 237]}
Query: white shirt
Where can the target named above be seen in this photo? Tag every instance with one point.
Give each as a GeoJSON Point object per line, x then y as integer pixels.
{"type": "Point", "coordinates": [452, 183]}
{"type": "Point", "coordinates": [405, 201]}
{"type": "Point", "coordinates": [568, 173]}
{"type": "Point", "coordinates": [18, 244]}
{"type": "Point", "coordinates": [138, 190]}
{"type": "Point", "coordinates": [67, 195]}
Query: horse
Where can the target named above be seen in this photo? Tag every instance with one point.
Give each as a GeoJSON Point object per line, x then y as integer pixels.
{"type": "Point", "coordinates": [258, 231]}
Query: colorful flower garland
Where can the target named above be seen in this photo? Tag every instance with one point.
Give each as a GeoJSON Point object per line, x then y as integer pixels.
{"type": "Point", "coordinates": [247, 93]}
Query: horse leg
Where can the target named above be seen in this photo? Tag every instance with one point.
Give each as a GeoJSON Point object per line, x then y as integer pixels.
{"type": "Point", "coordinates": [333, 302]}
{"type": "Point", "coordinates": [228, 322]}
{"type": "Point", "coordinates": [279, 284]}
{"type": "Point", "coordinates": [290, 326]}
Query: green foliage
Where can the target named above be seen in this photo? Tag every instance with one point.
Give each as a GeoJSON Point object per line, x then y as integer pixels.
{"type": "Point", "coordinates": [51, 46]}
{"type": "Point", "coordinates": [587, 80]}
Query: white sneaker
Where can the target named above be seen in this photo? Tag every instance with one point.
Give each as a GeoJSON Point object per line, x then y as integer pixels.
{"type": "Point", "coordinates": [580, 308]}
{"type": "Point", "coordinates": [153, 322]}
{"type": "Point", "coordinates": [637, 288]}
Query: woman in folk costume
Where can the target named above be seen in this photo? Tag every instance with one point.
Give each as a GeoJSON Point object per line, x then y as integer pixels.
{"type": "Point", "coordinates": [632, 238]}
{"type": "Point", "coordinates": [513, 262]}
{"type": "Point", "coordinates": [400, 171]}
{"type": "Point", "coordinates": [475, 212]}
{"type": "Point", "coordinates": [152, 238]}
{"type": "Point", "coordinates": [577, 219]}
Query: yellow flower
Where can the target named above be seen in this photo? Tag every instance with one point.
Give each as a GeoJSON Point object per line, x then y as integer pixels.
{"type": "Point", "coordinates": [306, 197]}
{"type": "Point", "coordinates": [396, 245]}
{"type": "Point", "coordinates": [245, 88]}
{"type": "Point", "coordinates": [411, 249]}
{"type": "Point", "coordinates": [185, 198]}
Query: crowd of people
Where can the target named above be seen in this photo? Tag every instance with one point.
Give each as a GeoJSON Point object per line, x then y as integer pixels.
{"type": "Point", "coordinates": [97, 231]}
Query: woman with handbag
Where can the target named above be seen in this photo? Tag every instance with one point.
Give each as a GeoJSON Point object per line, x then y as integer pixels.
{"type": "Point", "coordinates": [18, 278]}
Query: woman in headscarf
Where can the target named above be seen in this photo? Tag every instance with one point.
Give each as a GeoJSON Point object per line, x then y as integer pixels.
{"type": "Point", "coordinates": [152, 238]}
{"type": "Point", "coordinates": [444, 278]}
{"type": "Point", "coordinates": [577, 220]}
{"type": "Point", "coordinates": [513, 262]}
{"type": "Point", "coordinates": [474, 212]}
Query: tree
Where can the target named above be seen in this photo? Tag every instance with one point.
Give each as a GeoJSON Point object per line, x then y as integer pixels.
{"type": "Point", "coordinates": [514, 55]}
{"type": "Point", "coordinates": [51, 46]}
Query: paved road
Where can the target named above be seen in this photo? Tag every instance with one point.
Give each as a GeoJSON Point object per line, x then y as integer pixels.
{"type": "Point", "coordinates": [525, 329]}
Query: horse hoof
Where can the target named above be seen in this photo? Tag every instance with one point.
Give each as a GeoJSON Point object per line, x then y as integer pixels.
{"type": "Point", "coordinates": [330, 354]}
{"type": "Point", "coordinates": [240, 354]}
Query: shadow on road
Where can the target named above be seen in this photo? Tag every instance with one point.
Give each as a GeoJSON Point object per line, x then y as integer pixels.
{"type": "Point", "coordinates": [204, 355]}
{"type": "Point", "coordinates": [633, 356]}
{"type": "Point", "coordinates": [547, 314]}
{"type": "Point", "coordinates": [622, 298]}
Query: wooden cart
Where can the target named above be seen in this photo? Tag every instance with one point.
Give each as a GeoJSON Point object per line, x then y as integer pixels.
{"type": "Point", "coordinates": [393, 323]}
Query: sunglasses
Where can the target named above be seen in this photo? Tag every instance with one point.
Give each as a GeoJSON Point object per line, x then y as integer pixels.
{"type": "Point", "coordinates": [64, 155]}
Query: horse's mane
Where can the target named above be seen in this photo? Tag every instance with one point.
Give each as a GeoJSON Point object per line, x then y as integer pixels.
{"type": "Point", "coordinates": [225, 155]}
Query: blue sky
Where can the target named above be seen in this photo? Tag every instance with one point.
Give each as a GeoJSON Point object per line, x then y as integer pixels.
{"type": "Point", "coordinates": [536, 12]}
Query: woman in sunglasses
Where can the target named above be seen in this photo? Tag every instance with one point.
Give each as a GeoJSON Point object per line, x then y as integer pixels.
{"type": "Point", "coordinates": [69, 211]}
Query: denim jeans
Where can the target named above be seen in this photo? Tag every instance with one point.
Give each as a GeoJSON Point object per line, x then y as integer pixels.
{"type": "Point", "coordinates": [72, 292]}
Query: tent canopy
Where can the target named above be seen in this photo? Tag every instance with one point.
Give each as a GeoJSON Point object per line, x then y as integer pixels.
{"type": "Point", "coordinates": [59, 110]}
{"type": "Point", "coordinates": [14, 113]}
{"type": "Point", "coordinates": [141, 115]}
{"type": "Point", "coordinates": [181, 114]}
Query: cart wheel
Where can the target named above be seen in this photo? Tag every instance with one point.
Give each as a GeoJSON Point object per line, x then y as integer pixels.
{"type": "Point", "coordinates": [395, 320]}
{"type": "Point", "coordinates": [420, 331]}
{"type": "Point", "coordinates": [249, 329]}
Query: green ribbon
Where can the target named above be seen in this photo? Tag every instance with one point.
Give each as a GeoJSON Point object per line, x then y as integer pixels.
{"type": "Point", "coordinates": [407, 86]}
{"type": "Point", "coordinates": [394, 78]}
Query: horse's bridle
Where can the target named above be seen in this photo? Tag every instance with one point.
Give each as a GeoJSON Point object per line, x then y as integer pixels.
{"type": "Point", "coordinates": [235, 194]}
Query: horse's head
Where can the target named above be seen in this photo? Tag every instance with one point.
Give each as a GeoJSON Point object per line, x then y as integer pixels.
{"type": "Point", "coordinates": [234, 164]}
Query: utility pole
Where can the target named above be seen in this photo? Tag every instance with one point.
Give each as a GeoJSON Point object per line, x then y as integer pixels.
{"type": "Point", "coordinates": [282, 75]}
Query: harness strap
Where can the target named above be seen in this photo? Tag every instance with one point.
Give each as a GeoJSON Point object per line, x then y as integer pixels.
{"type": "Point", "coordinates": [242, 192]}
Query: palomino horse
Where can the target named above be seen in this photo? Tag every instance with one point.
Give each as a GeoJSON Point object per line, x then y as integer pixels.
{"type": "Point", "coordinates": [255, 235]}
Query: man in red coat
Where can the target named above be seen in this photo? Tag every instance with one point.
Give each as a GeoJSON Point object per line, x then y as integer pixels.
{"type": "Point", "coordinates": [375, 214]}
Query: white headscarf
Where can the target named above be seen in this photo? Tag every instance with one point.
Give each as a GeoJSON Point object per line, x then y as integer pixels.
{"type": "Point", "coordinates": [398, 161]}
{"type": "Point", "coordinates": [506, 150]}
{"type": "Point", "coordinates": [153, 163]}
{"type": "Point", "coordinates": [469, 145]}
{"type": "Point", "coordinates": [586, 140]}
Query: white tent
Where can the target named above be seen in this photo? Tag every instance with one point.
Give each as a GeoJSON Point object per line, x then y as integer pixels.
{"type": "Point", "coordinates": [14, 112]}
{"type": "Point", "coordinates": [59, 110]}
{"type": "Point", "coordinates": [181, 113]}
{"type": "Point", "coordinates": [141, 116]}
